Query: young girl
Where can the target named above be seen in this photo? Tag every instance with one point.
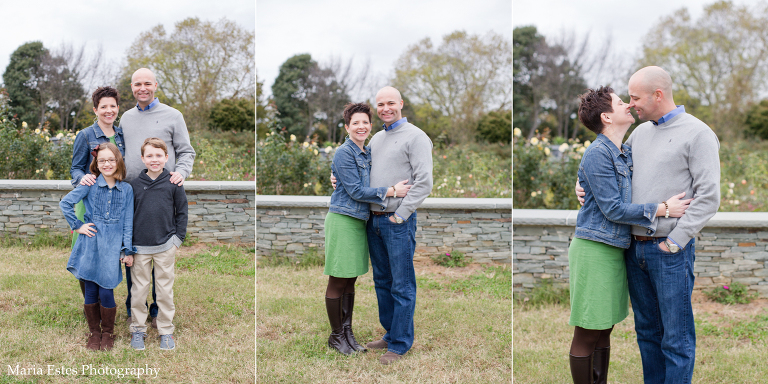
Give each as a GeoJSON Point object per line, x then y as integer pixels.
{"type": "Point", "coordinates": [104, 240]}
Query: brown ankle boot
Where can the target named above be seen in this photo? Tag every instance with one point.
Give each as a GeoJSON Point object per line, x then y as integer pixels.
{"type": "Point", "coordinates": [337, 340]}
{"type": "Point", "coordinates": [581, 369]}
{"type": "Point", "coordinates": [347, 307]}
{"type": "Point", "coordinates": [107, 328]}
{"type": "Point", "coordinates": [93, 316]}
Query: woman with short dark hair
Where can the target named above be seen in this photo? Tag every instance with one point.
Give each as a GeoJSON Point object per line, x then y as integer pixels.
{"type": "Point", "coordinates": [598, 280]}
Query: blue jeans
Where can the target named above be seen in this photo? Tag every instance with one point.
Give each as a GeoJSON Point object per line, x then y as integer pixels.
{"type": "Point", "coordinates": [152, 308]}
{"type": "Point", "coordinates": [391, 247]}
{"type": "Point", "coordinates": [660, 287]}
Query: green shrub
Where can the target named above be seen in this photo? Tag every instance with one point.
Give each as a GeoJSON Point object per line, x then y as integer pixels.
{"type": "Point", "coordinates": [288, 167]}
{"type": "Point", "coordinates": [545, 292]}
{"type": "Point", "coordinates": [472, 170]}
{"type": "Point", "coordinates": [237, 114]}
{"type": "Point", "coordinates": [542, 181]}
{"type": "Point", "coordinates": [735, 293]}
{"type": "Point", "coordinates": [450, 260]}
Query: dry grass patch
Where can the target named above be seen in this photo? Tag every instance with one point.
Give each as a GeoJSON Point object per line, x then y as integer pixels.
{"type": "Point", "coordinates": [43, 322]}
{"type": "Point", "coordinates": [462, 326]}
{"type": "Point", "coordinates": [731, 345]}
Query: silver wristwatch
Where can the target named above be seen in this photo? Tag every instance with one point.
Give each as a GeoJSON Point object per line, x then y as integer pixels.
{"type": "Point", "coordinates": [672, 246]}
{"type": "Point", "coordinates": [397, 218]}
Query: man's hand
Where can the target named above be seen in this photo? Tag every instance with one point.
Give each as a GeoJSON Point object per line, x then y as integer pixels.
{"type": "Point", "coordinates": [392, 219]}
{"type": "Point", "coordinates": [333, 181]}
{"type": "Point", "coordinates": [177, 178]}
{"type": "Point", "coordinates": [580, 192]}
{"type": "Point", "coordinates": [88, 229]}
{"type": "Point", "coordinates": [664, 247]}
{"type": "Point", "coordinates": [88, 179]}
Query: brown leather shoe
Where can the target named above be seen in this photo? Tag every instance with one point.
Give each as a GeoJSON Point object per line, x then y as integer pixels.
{"type": "Point", "coordinates": [93, 315]}
{"type": "Point", "coordinates": [107, 328]}
{"type": "Point", "coordinates": [389, 358]}
{"type": "Point", "coordinates": [378, 344]}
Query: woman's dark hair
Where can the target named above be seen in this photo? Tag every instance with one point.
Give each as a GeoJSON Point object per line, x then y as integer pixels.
{"type": "Point", "coordinates": [120, 170]}
{"type": "Point", "coordinates": [592, 104]}
{"type": "Point", "coordinates": [352, 108]}
{"type": "Point", "coordinates": [103, 92]}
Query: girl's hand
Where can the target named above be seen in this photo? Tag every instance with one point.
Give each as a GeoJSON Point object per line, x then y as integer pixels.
{"type": "Point", "coordinates": [88, 229]}
{"type": "Point", "coordinates": [402, 189]}
{"type": "Point", "coordinates": [677, 207]}
{"type": "Point", "coordinates": [88, 179]}
{"type": "Point", "coordinates": [128, 260]}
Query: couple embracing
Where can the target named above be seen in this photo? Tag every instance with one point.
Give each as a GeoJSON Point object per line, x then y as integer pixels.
{"type": "Point", "coordinates": [373, 210]}
{"type": "Point", "coordinates": [629, 240]}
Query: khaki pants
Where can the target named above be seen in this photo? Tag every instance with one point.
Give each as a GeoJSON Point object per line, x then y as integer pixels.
{"type": "Point", "coordinates": [141, 273]}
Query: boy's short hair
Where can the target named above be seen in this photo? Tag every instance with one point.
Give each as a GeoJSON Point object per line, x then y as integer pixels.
{"type": "Point", "coordinates": [155, 142]}
{"type": "Point", "coordinates": [120, 172]}
{"type": "Point", "coordinates": [352, 108]}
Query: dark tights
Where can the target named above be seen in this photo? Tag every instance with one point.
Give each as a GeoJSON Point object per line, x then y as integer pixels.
{"type": "Point", "coordinates": [339, 285]}
{"type": "Point", "coordinates": [586, 340]}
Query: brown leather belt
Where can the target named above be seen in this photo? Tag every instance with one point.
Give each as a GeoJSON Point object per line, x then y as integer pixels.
{"type": "Point", "coordinates": [380, 213]}
{"type": "Point", "coordinates": [645, 238]}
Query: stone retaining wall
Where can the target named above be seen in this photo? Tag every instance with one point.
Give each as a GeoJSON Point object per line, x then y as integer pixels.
{"type": "Point", "coordinates": [218, 210]}
{"type": "Point", "coordinates": [732, 247]}
{"type": "Point", "coordinates": [480, 228]}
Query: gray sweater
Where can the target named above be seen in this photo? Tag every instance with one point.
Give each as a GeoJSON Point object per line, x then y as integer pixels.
{"type": "Point", "coordinates": [165, 123]}
{"type": "Point", "coordinates": [680, 155]}
{"type": "Point", "coordinates": [404, 152]}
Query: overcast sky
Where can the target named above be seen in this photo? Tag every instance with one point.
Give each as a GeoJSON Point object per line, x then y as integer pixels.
{"type": "Point", "coordinates": [113, 24]}
{"type": "Point", "coordinates": [626, 21]}
{"type": "Point", "coordinates": [379, 31]}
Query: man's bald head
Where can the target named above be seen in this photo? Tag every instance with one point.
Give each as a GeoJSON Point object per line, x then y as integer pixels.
{"type": "Point", "coordinates": [389, 105]}
{"type": "Point", "coordinates": [389, 90]}
{"type": "Point", "coordinates": [651, 78]}
{"type": "Point", "coordinates": [143, 85]}
{"type": "Point", "coordinates": [650, 93]}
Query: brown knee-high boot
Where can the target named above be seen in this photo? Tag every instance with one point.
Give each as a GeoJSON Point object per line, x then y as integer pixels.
{"type": "Point", "coordinates": [93, 316]}
{"type": "Point", "coordinates": [602, 357]}
{"type": "Point", "coordinates": [337, 340]}
{"type": "Point", "coordinates": [581, 369]}
{"type": "Point", "coordinates": [107, 328]}
{"type": "Point", "coordinates": [347, 307]}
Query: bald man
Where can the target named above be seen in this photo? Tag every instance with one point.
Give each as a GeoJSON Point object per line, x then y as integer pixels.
{"type": "Point", "coordinates": [672, 152]}
{"type": "Point", "coordinates": [401, 151]}
{"type": "Point", "coordinates": [151, 118]}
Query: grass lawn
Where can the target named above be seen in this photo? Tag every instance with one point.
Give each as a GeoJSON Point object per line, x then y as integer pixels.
{"type": "Point", "coordinates": [731, 344]}
{"type": "Point", "coordinates": [462, 328]}
{"type": "Point", "coordinates": [42, 322]}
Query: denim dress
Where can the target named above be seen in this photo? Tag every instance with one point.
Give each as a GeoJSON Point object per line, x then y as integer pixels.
{"type": "Point", "coordinates": [97, 258]}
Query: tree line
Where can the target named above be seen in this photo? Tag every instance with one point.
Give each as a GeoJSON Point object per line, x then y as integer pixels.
{"type": "Point", "coordinates": [457, 91]}
{"type": "Point", "coordinates": [718, 63]}
{"type": "Point", "coordinates": [204, 69]}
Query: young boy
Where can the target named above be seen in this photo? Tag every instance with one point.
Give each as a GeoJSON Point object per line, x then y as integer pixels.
{"type": "Point", "coordinates": [159, 226]}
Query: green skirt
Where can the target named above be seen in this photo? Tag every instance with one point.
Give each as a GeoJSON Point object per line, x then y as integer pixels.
{"type": "Point", "coordinates": [346, 246]}
{"type": "Point", "coordinates": [80, 214]}
{"type": "Point", "coordinates": [598, 281]}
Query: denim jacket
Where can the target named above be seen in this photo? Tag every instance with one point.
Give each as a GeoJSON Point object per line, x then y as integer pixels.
{"type": "Point", "coordinates": [97, 258]}
{"type": "Point", "coordinates": [605, 173]}
{"type": "Point", "coordinates": [352, 168]}
{"type": "Point", "coordinates": [85, 142]}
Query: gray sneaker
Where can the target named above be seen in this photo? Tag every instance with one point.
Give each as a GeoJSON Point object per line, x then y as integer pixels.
{"type": "Point", "coordinates": [167, 343]}
{"type": "Point", "coordinates": [137, 340]}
